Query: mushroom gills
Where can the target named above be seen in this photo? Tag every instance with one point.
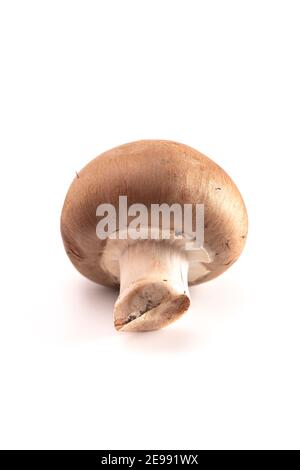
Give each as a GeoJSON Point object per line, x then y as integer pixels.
{"type": "Point", "coordinates": [153, 287]}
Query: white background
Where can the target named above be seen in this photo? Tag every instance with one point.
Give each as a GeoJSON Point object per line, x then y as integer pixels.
{"type": "Point", "coordinates": [80, 77]}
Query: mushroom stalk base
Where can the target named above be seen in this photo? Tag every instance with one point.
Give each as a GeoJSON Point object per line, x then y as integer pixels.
{"type": "Point", "coordinates": [153, 286]}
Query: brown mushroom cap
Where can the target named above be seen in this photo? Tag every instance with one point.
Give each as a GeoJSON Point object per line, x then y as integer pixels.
{"type": "Point", "coordinates": [153, 172]}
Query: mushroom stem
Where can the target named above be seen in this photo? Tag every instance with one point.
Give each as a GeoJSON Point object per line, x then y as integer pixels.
{"type": "Point", "coordinates": [153, 286]}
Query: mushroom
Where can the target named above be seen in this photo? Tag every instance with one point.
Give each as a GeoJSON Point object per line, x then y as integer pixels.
{"type": "Point", "coordinates": [155, 269]}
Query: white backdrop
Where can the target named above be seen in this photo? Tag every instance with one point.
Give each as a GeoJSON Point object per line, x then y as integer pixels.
{"type": "Point", "coordinates": [80, 77]}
